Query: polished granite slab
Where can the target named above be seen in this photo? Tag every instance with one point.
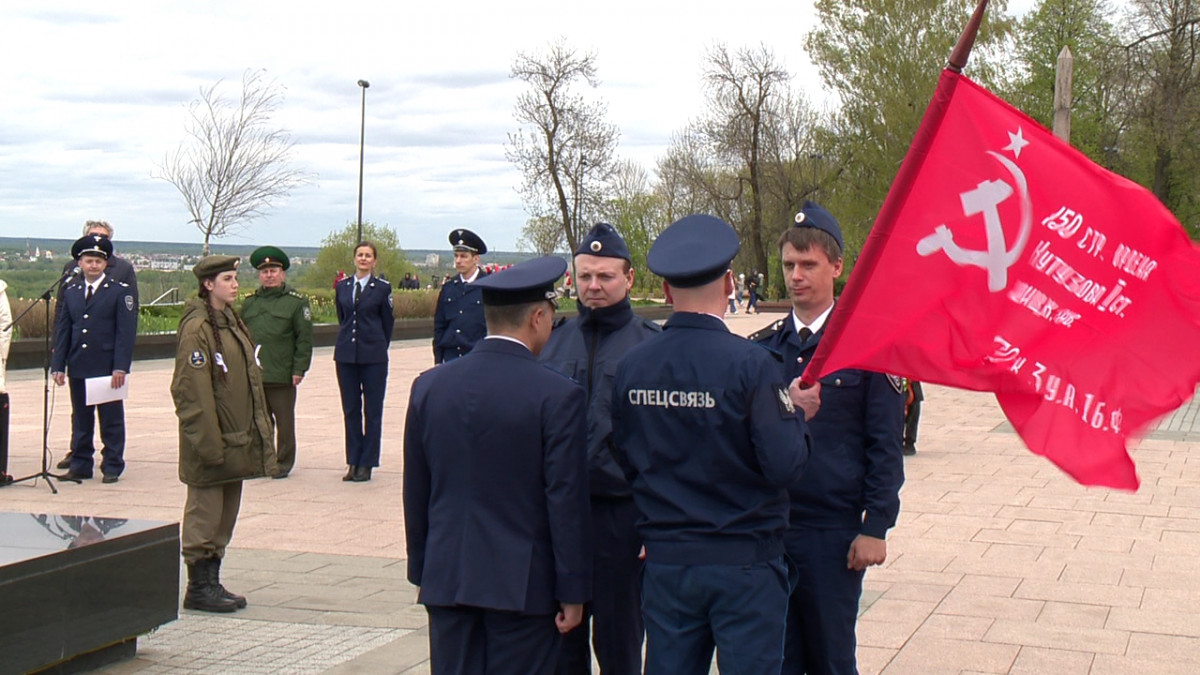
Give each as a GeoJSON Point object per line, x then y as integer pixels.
{"type": "Point", "coordinates": [73, 585]}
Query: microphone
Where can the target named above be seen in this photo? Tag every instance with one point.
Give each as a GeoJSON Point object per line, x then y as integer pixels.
{"type": "Point", "coordinates": [73, 274]}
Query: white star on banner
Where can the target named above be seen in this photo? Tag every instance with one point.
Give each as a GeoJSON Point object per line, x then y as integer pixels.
{"type": "Point", "coordinates": [1016, 142]}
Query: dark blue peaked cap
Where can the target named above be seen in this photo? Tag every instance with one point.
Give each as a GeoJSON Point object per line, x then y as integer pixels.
{"type": "Point", "coordinates": [466, 240]}
{"type": "Point", "coordinates": [603, 240]}
{"type": "Point", "coordinates": [529, 281]}
{"type": "Point", "coordinates": [814, 215]}
{"type": "Point", "coordinates": [92, 244]}
{"type": "Point", "coordinates": [693, 251]}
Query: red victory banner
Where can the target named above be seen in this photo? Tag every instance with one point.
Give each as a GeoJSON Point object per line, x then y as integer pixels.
{"type": "Point", "coordinates": [1005, 260]}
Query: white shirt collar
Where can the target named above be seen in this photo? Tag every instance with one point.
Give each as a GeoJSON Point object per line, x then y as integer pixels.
{"type": "Point", "coordinates": [817, 323]}
{"type": "Point", "coordinates": [510, 339]}
{"type": "Point", "coordinates": [473, 278]}
{"type": "Point", "coordinates": [95, 285]}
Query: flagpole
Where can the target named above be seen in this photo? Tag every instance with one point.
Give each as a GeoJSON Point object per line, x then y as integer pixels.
{"type": "Point", "coordinates": [966, 41]}
{"type": "Point", "coordinates": [897, 194]}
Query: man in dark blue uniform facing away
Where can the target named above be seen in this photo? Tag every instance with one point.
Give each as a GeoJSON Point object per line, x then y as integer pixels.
{"type": "Point", "coordinates": [458, 320]}
{"type": "Point", "coordinates": [496, 490]}
{"type": "Point", "coordinates": [93, 337]}
{"type": "Point", "coordinates": [587, 348]}
{"type": "Point", "coordinates": [711, 435]}
{"type": "Point", "coordinates": [849, 496]}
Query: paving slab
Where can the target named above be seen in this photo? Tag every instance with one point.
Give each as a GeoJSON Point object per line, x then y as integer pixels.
{"type": "Point", "coordinates": [999, 564]}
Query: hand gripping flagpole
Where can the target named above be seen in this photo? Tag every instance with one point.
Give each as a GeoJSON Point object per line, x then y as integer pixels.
{"type": "Point", "coordinates": [897, 194]}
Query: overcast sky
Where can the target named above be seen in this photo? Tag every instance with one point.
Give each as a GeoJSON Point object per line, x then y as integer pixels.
{"type": "Point", "coordinates": [93, 95]}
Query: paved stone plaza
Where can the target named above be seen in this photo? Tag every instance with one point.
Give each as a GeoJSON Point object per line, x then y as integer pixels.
{"type": "Point", "coordinates": [1000, 564]}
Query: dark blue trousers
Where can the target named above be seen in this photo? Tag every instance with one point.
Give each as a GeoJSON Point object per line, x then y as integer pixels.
{"type": "Point", "coordinates": [739, 610]}
{"type": "Point", "coordinates": [615, 614]}
{"type": "Point", "coordinates": [83, 429]}
{"type": "Point", "coordinates": [823, 608]}
{"type": "Point", "coordinates": [473, 641]}
{"type": "Point", "coordinates": [362, 386]}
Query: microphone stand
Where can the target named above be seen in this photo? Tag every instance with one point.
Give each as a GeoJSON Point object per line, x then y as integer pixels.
{"type": "Point", "coordinates": [45, 472]}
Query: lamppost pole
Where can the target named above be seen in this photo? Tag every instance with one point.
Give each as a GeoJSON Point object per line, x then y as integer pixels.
{"type": "Point", "coordinates": [361, 139]}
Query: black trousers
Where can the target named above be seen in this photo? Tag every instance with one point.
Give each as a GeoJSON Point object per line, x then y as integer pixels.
{"type": "Point", "coordinates": [613, 620]}
{"type": "Point", "coordinates": [363, 386]}
{"type": "Point", "coordinates": [473, 641]}
{"type": "Point", "coordinates": [83, 429]}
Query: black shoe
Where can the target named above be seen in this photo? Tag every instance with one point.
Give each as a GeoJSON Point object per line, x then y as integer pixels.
{"type": "Point", "coordinates": [73, 477]}
{"type": "Point", "coordinates": [201, 594]}
{"type": "Point", "coordinates": [281, 474]}
{"type": "Point", "coordinates": [350, 474]}
{"type": "Point", "coordinates": [109, 478]}
{"type": "Point", "coordinates": [214, 579]}
{"type": "Point", "coordinates": [910, 450]}
{"type": "Point", "coordinates": [64, 463]}
{"type": "Point", "coordinates": [362, 475]}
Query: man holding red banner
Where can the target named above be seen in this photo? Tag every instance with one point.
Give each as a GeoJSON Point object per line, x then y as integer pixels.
{"type": "Point", "coordinates": [1030, 271]}
{"type": "Point", "coordinates": [849, 495]}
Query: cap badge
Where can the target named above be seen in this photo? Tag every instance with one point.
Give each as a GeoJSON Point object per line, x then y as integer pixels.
{"type": "Point", "coordinates": [596, 246]}
{"type": "Point", "coordinates": [800, 217]}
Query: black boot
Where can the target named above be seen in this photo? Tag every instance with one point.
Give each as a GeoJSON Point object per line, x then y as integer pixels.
{"type": "Point", "coordinates": [201, 594]}
{"type": "Point", "coordinates": [350, 473]}
{"type": "Point", "coordinates": [214, 578]}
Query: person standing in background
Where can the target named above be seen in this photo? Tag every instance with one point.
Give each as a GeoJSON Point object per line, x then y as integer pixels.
{"type": "Point", "coordinates": [118, 269]}
{"type": "Point", "coordinates": [280, 321]}
{"type": "Point", "coordinates": [93, 337]}
{"type": "Point", "coordinates": [458, 321]}
{"type": "Point", "coordinates": [365, 323]}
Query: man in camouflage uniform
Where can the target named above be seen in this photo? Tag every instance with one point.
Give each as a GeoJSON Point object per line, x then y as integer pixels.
{"type": "Point", "coordinates": [280, 320]}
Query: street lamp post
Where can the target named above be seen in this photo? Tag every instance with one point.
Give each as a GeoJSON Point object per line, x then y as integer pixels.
{"type": "Point", "coordinates": [361, 138]}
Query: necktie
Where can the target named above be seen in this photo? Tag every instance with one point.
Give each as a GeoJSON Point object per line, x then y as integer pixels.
{"type": "Point", "coordinates": [88, 296]}
{"type": "Point", "coordinates": [357, 291]}
{"type": "Point", "coordinates": [805, 333]}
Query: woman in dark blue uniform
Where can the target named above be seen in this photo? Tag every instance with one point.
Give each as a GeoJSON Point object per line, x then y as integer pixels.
{"type": "Point", "coordinates": [365, 321]}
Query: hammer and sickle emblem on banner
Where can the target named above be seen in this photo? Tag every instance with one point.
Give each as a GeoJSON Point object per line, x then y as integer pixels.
{"type": "Point", "coordinates": [985, 199]}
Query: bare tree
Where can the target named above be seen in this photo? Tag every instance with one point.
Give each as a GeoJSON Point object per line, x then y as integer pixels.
{"type": "Point", "coordinates": [565, 147]}
{"type": "Point", "coordinates": [745, 90]}
{"type": "Point", "coordinates": [235, 164]}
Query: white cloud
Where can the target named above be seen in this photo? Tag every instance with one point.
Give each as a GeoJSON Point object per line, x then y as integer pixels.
{"type": "Point", "coordinates": [101, 93]}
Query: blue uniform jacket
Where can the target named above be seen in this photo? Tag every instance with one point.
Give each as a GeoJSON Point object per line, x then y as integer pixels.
{"type": "Point", "coordinates": [458, 321]}
{"type": "Point", "coordinates": [587, 349]}
{"type": "Point", "coordinates": [365, 331]}
{"type": "Point", "coordinates": [92, 339]}
{"type": "Point", "coordinates": [496, 509]}
{"type": "Point", "coordinates": [856, 468]}
{"type": "Point", "coordinates": [704, 427]}
{"type": "Point", "coordinates": [118, 269]}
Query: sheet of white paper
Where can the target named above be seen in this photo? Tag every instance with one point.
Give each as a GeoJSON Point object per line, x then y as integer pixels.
{"type": "Point", "coordinates": [100, 390]}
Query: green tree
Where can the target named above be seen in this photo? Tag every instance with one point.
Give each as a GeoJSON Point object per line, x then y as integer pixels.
{"type": "Point", "coordinates": [637, 213]}
{"type": "Point", "coordinates": [1161, 146]}
{"type": "Point", "coordinates": [542, 235]}
{"type": "Point", "coordinates": [1084, 27]}
{"type": "Point", "coordinates": [882, 59]}
{"type": "Point", "coordinates": [337, 254]}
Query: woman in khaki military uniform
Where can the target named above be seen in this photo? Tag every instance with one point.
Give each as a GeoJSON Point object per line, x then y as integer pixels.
{"type": "Point", "coordinates": [225, 435]}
